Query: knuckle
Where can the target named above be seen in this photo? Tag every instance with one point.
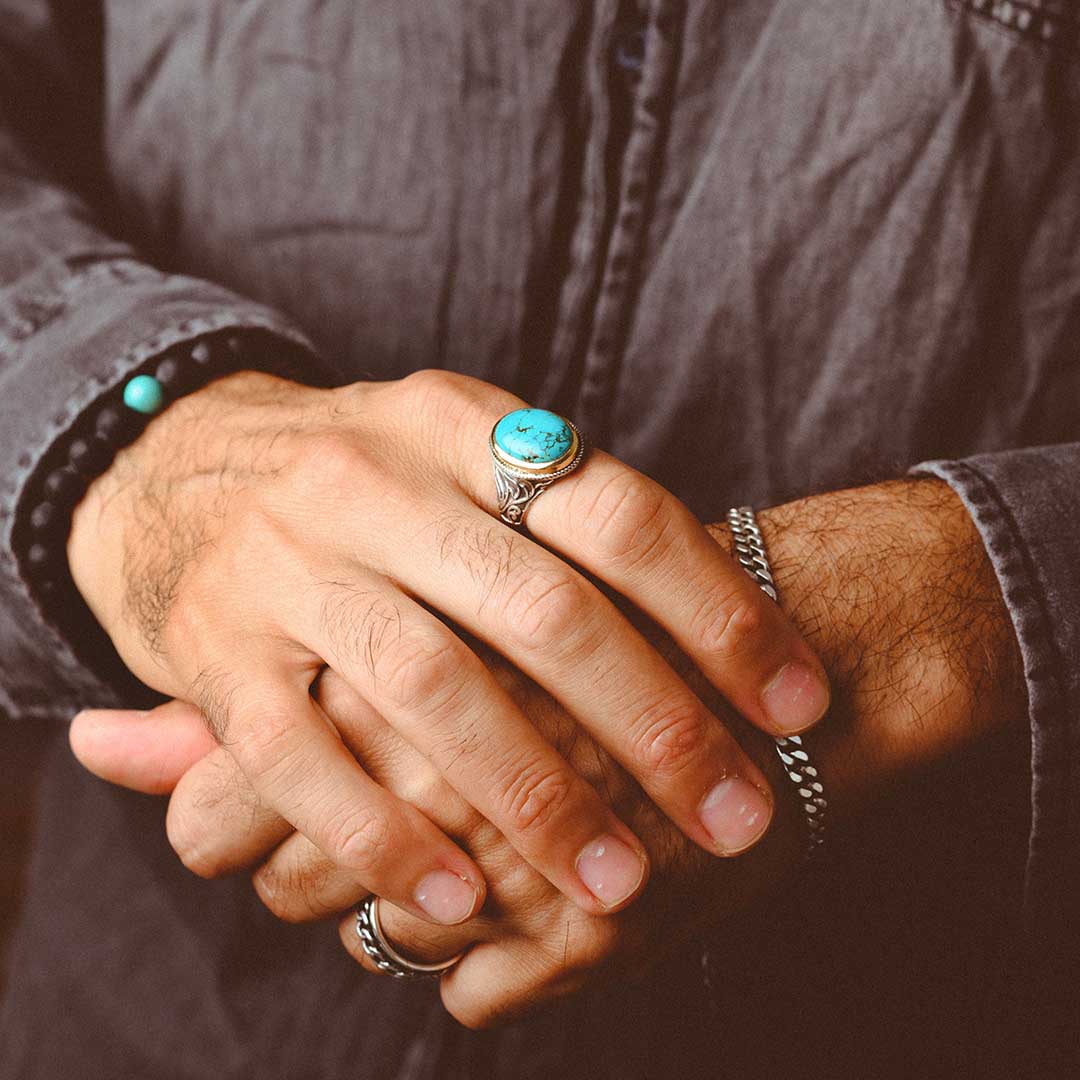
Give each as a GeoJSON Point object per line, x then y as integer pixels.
{"type": "Point", "coordinates": [457, 405]}
{"type": "Point", "coordinates": [729, 626]}
{"type": "Point", "coordinates": [216, 690]}
{"type": "Point", "coordinates": [437, 392]}
{"type": "Point", "coordinates": [533, 798]}
{"type": "Point", "coordinates": [363, 843]}
{"type": "Point", "coordinates": [595, 946]}
{"type": "Point", "coordinates": [488, 553]}
{"type": "Point", "coordinates": [266, 744]}
{"type": "Point", "coordinates": [275, 754]}
{"type": "Point", "coordinates": [669, 738]}
{"type": "Point", "coordinates": [361, 623]}
{"type": "Point", "coordinates": [468, 743]}
{"type": "Point", "coordinates": [540, 981]}
{"type": "Point", "coordinates": [185, 838]}
{"type": "Point", "coordinates": [477, 1016]}
{"type": "Point", "coordinates": [173, 612]}
{"type": "Point", "coordinates": [208, 818]}
{"type": "Point", "coordinates": [331, 462]}
{"type": "Point", "coordinates": [557, 963]}
{"type": "Point", "coordinates": [544, 609]}
{"type": "Point", "coordinates": [293, 893]}
{"type": "Point", "coordinates": [421, 671]}
{"type": "Point", "coordinates": [429, 381]}
{"type": "Point", "coordinates": [631, 520]}
{"type": "Point", "coordinates": [484, 1008]}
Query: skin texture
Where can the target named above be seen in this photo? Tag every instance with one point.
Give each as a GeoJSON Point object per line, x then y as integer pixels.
{"type": "Point", "coordinates": [890, 584]}
{"type": "Point", "coordinates": [259, 531]}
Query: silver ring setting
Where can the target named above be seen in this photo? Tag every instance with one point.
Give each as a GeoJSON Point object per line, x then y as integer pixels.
{"type": "Point", "coordinates": [530, 450]}
{"type": "Point", "coordinates": [384, 956]}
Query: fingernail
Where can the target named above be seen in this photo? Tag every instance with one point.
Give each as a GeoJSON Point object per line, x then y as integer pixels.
{"type": "Point", "coordinates": [447, 898]}
{"type": "Point", "coordinates": [736, 815]}
{"type": "Point", "coordinates": [796, 699]}
{"type": "Point", "coordinates": [610, 869]}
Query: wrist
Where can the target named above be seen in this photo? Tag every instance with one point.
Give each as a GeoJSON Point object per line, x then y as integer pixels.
{"type": "Point", "coordinates": [892, 587]}
{"type": "Point", "coordinates": [64, 536]}
{"type": "Point", "coordinates": [188, 446]}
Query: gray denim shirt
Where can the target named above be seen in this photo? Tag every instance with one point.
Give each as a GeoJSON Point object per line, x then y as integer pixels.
{"type": "Point", "coordinates": [769, 248]}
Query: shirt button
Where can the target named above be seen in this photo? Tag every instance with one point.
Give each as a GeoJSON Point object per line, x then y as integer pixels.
{"type": "Point", "coordinates": [630, 50]}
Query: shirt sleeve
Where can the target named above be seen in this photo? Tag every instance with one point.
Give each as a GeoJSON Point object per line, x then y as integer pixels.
{"type": "Point", "coordinates": [1026, 506]}
{"type": "Point", "coordinates": [79, 311]}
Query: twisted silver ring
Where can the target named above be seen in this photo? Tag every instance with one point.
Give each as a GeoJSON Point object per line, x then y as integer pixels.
{"type": "Point", "coordinates": [530, 450]}
{"type": "Point", "coordinates": [384, 956]}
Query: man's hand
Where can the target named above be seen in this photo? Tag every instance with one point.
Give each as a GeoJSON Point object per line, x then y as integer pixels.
{"type": "Point", "coordinates": [890, 583]}
{"type": "Point", "coordinates": [259, 531]}
{"type": "Point", "coordinates": [529, 944]}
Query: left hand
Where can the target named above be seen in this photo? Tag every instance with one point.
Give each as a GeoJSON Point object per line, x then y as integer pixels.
{"type": "Point", "coordinates": [529, 944]}
{"type": "Point", "coordinates": [892, 586]}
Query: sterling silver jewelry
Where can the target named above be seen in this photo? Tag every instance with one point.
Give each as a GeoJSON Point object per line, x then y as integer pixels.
{"type": "Point", "coordinates": [798, 766]}
{"type": "Point", "coordinates": [530, 450]}
{"type": "Point", "coordinates": [385, 957]}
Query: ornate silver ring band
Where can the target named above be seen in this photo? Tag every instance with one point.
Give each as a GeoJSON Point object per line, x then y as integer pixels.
{"type": "Point", "coordinates": [385, 957]}
{"type": "Point", "coordinates": [530, 450]}
{"type": "Point", "coordinates": [798, 765]}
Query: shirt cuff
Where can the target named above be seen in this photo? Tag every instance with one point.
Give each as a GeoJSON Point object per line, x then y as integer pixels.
{"type": "Point", "coordinates": [1025, 504]}
{"type": "Point", "coordinates": [60, 376]}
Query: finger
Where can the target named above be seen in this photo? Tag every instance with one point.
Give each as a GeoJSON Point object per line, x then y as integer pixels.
{"type": "Point", "coordinates": [638, 538]}
{"type": "Point", "coordinates": [555, 625]}
{"type": "Point", "coordinates": [147, 751]}
{"type": "Point", "coordinates": [216, 822]}
{"type": "Point", "coordinates": [298, 766]}
{"type": "Point", "coordinates": [434, 690]}
{"type": "Point", "coordinates": [412, 938]}
{"type": "Point", "coordinates": [497, 982]}
{"type": "Point", "coordinates": [297, 882]}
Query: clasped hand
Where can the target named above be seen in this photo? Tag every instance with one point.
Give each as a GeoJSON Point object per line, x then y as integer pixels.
{"type": "Point", "coordinates": [260, 531]}
{"type": "Point", "coordinates": [890, 584]}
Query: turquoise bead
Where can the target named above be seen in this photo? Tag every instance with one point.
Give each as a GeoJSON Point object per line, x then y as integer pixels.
{"type": "Point", "coordinates": [534, 436]}
{"type": "Point", "coordinates": [144, 394]}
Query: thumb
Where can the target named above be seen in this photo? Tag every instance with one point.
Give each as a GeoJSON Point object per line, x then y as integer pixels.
{"type": "Point", "coordinates": [144, 751]}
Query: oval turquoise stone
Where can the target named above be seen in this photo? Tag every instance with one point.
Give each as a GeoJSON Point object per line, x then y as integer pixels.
{"type": "Point", "coordinates": [534, 436]}
{"type": "Point", "coordinates": [144, 394]}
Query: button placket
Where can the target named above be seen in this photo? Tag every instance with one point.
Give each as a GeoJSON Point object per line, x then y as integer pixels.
{"type": "Point", "coordinates": [577, 296]}
{"type": "Point", "coordinates": [640, 159]}
{"type": "Point", "coordinates": [629, 51]}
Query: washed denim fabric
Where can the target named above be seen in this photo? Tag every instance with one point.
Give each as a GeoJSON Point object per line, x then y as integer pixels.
{"type": "Point", "coordinates": [785, 246]}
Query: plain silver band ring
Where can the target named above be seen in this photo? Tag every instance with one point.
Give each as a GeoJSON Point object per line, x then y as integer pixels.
{"type": "Point", "coordinates": [383, 955]}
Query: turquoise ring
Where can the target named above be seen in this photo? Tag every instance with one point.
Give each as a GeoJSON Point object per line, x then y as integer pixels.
{"type": "Point", "coordinates": [530, 450]}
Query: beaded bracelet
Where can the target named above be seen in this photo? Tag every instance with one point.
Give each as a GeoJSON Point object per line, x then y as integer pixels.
{"type": "Point", "coordinates": [43, 522]}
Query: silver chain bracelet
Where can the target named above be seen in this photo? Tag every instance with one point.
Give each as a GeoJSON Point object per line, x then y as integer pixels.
{"type": "Point", "coordinates": [798, 766]}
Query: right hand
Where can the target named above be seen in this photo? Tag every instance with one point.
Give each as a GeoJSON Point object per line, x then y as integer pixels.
{"type": "Point", "coordinates": [260, 530]}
